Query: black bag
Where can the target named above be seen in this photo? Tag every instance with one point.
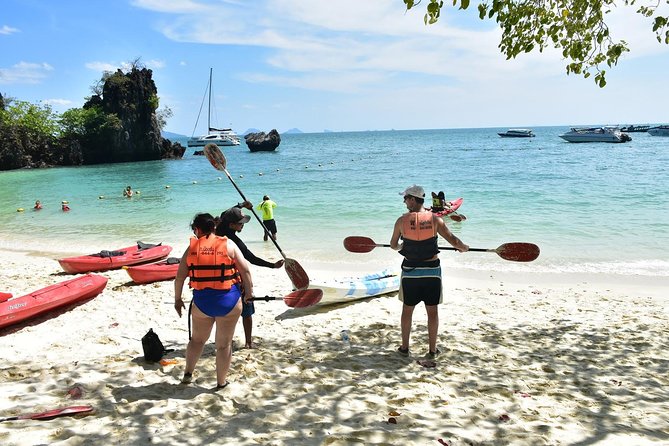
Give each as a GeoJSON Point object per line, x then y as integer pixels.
{"type": "Point", "coordinates": [153, 348]}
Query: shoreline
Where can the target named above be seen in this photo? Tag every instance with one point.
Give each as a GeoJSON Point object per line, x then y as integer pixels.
{"type": "Point", "coordinates": [527, 359]}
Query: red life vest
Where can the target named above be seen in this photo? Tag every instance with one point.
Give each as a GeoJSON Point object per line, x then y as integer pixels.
{"type": "Point", "coordinates": [209, 265]}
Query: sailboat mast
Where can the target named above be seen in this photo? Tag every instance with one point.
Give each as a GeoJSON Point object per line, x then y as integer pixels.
{"type": "Point", "coordinates": [209, 108]}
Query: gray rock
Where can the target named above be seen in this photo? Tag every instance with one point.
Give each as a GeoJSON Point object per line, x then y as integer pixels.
{"type": "Point", "coordinates": [263, 142]}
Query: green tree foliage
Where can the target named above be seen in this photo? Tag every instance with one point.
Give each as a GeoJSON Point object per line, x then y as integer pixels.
{"type": "Point", "coordinates": [577, 27]}
{"type": "Point", "coordinates": [27, 131]}
{"type": "Point", "coordinates": [38, 120]}
{"type": "Point", "coordinates": [78, 122]}
{"type": "Point", "coordinates": [162, 116]}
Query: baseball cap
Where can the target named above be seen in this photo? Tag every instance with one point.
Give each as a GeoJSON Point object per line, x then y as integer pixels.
{"type": "Point", "coordinates": [234, 215]}
{"type": "Point", "coordinates": [414, 191]}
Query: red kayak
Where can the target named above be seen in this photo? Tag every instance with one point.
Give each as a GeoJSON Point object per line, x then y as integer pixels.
{"type": "Point", "coordinates": [19, 309]}
{"type": "Point", "coordinates": [451, 206]}
{"type": "Point", "coordinates": [106, 260]}
{"type": "Point", "coordinates": [154, 272]}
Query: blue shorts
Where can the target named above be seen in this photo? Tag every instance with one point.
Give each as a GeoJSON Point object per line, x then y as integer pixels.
{"type": "Point", "coordinates": [248, 309]}
{"type": "Point", "coordinates": [216, 303]}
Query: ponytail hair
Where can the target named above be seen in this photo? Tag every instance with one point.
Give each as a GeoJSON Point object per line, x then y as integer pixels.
{"type": "Point", "coordinates": [204, 222]}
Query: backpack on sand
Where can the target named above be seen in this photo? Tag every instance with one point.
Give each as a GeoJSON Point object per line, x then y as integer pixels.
{"type": "Point", "coordinates": [153, 348]}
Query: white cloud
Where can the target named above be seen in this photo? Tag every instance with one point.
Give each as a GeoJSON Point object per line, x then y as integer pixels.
{"type": "Point", "coordinates": [154, 64]}
{"type": "Point", "coordinates": [101, 66]}
{"type": "Point", "coordinates": [25, 73]}
{"type": "Point", "coordinates": [346, 45]}
{"type": "Point", "coordinates": [8, 30]}
{"type": "Point", "coordinates": [58, 102]}
{"type": "Point", "coordinates": [123, 66]}
{"type": "Point", "coordinates": [171, 6]}
{"type": "Point", "coordinates": [347, 36]}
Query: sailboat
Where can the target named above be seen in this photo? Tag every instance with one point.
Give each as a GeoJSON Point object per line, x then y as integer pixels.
{"type": "Point", "coordinates": [221, 137]}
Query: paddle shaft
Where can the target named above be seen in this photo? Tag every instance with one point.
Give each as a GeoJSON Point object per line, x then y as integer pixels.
{"type": "Point", "coordinates": [515, 251]}
{"type": "Point", "coordinates": [296, 273]}
{"type": "Point", "coordinates": [264, 298]}
{"type": "Point", "coordinates": [303, 298]}
{"type": "Point", "coordinates": [447, 248]}
{"type": "Point", "coordinates": [269, 235]}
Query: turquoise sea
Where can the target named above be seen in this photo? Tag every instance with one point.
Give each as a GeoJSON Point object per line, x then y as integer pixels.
{"type": "Point", "coordinates": [590, 207]}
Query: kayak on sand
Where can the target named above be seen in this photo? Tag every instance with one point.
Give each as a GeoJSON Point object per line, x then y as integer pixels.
{"type": "Point", "coordinates": [154, 272]}
{"type": "Point", "coordinates": [106, 260]}
{"type": "Point", "coordinates": [19, 309]}
{"type": "Point", "coordinates": [352, 288]}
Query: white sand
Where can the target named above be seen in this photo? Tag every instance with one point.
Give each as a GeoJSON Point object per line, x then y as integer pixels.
{"type": "Point", "coordinates": [527, 360]}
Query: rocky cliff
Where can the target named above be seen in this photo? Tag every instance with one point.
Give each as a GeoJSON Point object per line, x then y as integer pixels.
{"type": "Point", "coordinates": [119, 125]}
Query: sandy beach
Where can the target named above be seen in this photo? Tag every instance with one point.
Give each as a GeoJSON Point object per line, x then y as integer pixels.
{"type": "Point", "coordinates": [528, 359]}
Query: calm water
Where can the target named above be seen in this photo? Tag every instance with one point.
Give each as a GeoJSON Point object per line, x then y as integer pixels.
{"type": "Point", "coordinates": [590, 207]}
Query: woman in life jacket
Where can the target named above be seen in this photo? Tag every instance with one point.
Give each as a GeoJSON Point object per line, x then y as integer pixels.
{"type": "Point", "coordinates": [220, 278]}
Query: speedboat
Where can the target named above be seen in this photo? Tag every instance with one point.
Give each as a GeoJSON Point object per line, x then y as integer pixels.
{"type": "Point", "coordinates": [660, 130]}
{"type": "Point", "coordinates": [595, 134]}
{"type": "Point", "coordinates": [634, 128]}
{"type": "Point", "coordinates": [517, 133]}
{"type": "Point", "coordinates": [221, 137]}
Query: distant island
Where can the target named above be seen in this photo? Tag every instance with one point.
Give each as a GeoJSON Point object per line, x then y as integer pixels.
{"type": "Point", "coordinates": [293, 130]}
{"type": "Point", "coordinates": [170, 135]}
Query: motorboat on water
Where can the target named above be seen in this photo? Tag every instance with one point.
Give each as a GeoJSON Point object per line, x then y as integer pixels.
{"type": "Point", "coordinates": [517, 133]}
{"type": "Point", "coordinates": [660, 130]}
{"type": "Point", "coordinates": [221, 137]}
{"type": "Point", "coordinates": [634, 128]}
{"type": "Point", "coordinates": [595, 134]}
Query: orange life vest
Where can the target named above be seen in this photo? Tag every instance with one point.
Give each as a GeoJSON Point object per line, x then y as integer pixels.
{"type": "Point", "coordinates": [209, 265]}
{"type": "Point", "coordinates": [419, 235]}
{"type": "Point", "coordinates": [418, 226]}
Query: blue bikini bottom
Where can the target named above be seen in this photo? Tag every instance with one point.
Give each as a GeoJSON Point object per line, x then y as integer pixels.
{"type": "Point", "coordinates": [216, 303]}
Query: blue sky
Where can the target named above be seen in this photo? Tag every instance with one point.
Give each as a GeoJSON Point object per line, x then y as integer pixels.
{"type": "Point", "coordinates": [338, 65]}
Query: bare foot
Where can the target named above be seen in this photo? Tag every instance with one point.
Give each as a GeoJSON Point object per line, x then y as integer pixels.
{"type": "Point", "coordinates": [249, 345]}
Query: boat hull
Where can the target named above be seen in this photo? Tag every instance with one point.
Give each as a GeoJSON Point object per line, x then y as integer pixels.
{"type": "Point", "coordinates": [595, 134]}
{"type": "Point", "coordinates": [659, 131]}
{"type": "Point", "coordinates": [203, 141]}
{"type": "Point", "coordinates": [354, 288]}
{"type": "Point", "coordinates": [517, 133]}
{"type": "Point", "coordinates": [133, 255]}
{"type": "Point", "coordinates": [42, 301]}
{"type": "Point", "coordinates": [153, 272]}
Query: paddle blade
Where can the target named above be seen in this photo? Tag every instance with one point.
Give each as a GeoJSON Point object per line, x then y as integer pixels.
{"type": "Point", "coordinates": [356, 243]}
{"type": "Point", "coordinates": [215, 156]}
{"type": "Point", "coordinates": [455, 217]}
{"type": "Point", "coordinates": [518, 252]}
{"type": "Point", "coordinates": [297, 275]}
{"type": "Point", "coordinates": [303, 298]}
{"type": "Point", "coordinates": [49, 414]}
